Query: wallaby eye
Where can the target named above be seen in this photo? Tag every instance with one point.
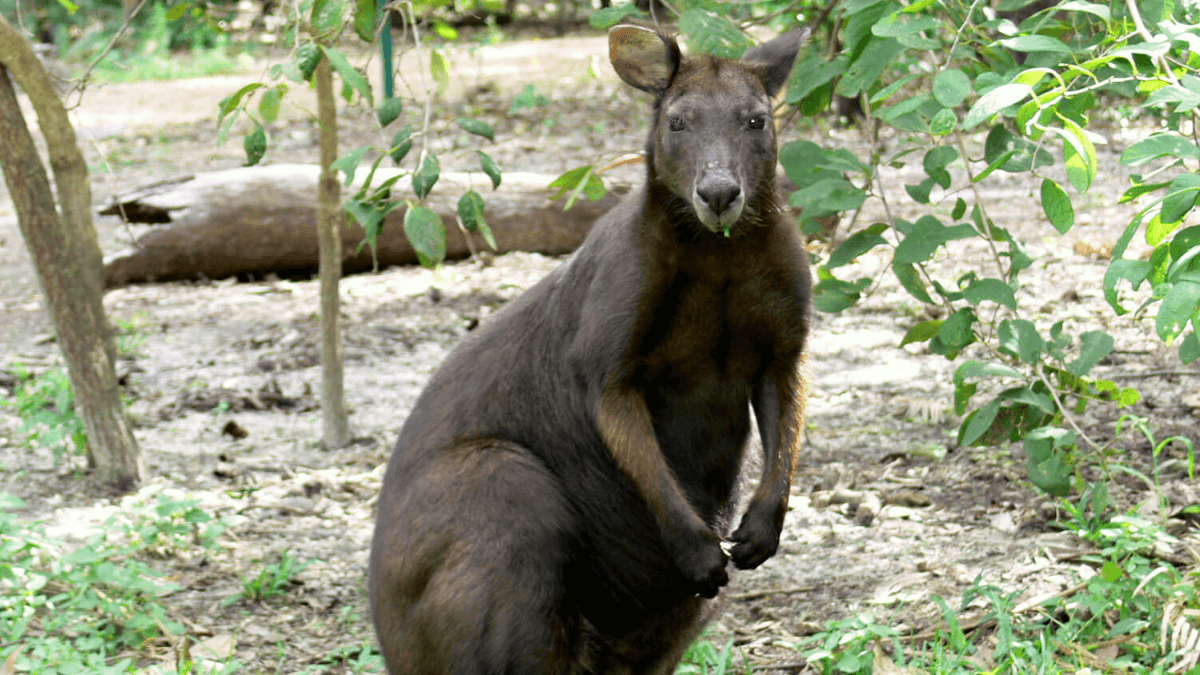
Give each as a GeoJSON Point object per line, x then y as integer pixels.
{"type": "Point", "coordinates": [676, 123]}
{"type": "Point", "coordinates": [757, 123]}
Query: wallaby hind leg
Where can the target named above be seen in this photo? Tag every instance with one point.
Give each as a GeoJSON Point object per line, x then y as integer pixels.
{"type": "Point", "coordinates": [655, 647]}
{"type": "Point", "coordinates": [467, 565]}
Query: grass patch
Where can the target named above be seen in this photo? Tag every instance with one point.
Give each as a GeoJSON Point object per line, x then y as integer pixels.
{"type": "Point", "coordinates": [91, 607]}
{"type": "Point", "coordinates": [161, 65]}
{"type": "Point", "coordinates": [1136, 611]}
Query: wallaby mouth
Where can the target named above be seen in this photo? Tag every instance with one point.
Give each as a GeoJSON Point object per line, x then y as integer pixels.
{"type": "Point", "coordinates": [718, 200]}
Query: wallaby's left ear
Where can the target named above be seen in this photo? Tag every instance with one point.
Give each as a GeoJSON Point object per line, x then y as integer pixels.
{"type": "Point", "coordinates": [643, 57]}
{"type": "Point", "coordinates": [774, 59]}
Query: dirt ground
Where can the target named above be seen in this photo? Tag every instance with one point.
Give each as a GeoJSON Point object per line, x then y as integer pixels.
{"type": "Point", "coordinates": [209, 353]}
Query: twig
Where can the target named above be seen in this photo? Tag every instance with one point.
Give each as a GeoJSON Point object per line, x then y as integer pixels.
{"type": "Point", "coordinates": [1145, 35]}
{"type": "Point", "coordinates": [82, 84]}
{"type": "Point", "coordinates": [281, 507]}
{"type": "Point", "coordinates": [789, 665]}
{"type": "Point", "coordinates": [412, 21]}
{"type": "Point", "coordinates": [754, 595]}
{"type": "Point", "coordinates": [1058, 402]}
{"type": "Point", "coordinates": [987, 222]}
{"type": "Point", "coordinates": [958, 35]}
{"type": "Point", "coordinates": [967, 626]}
{"type": "Point", "coordinates": [1155, 373]}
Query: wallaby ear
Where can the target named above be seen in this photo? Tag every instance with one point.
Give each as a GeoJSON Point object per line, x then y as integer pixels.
{"type": "Point", "coordinates": [643, 57]}
{"type": "Point", "coordinates": [774, 59]}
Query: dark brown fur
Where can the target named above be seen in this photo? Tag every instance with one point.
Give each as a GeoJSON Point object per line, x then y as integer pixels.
{"type": "Point", "coordinates": [557, 497]}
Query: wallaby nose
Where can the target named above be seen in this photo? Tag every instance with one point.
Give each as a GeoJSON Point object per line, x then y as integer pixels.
{"type": "Point", "coordinates": [719, 194]}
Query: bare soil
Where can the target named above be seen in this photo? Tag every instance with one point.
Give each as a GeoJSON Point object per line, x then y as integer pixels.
{"type": "Point", "coordinates": [211, 357]}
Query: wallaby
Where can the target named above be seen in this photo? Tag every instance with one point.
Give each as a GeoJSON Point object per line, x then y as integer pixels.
{"type": "Point", "coordinates": [557, 498]}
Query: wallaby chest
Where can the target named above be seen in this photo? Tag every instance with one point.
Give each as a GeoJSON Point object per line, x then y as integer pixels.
{"type": "Point", "coordinates": [719, 319]}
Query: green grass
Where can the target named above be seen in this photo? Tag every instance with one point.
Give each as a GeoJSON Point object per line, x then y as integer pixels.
{"type": "Point", "coordinates": [160, 65]}
{"type": "Point", "coordinates": [68, 608]}
{"type": "Point", "coordinates": [1136, 614]}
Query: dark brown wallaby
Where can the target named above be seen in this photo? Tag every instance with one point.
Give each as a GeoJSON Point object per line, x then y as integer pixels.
{"type": "Point", "coordinates": [557, 499]}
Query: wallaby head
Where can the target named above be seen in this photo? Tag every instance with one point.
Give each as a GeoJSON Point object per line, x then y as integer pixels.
{"type": "Point", "coordinates": [712, 143]}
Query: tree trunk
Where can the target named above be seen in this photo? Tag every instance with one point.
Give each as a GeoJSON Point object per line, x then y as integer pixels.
{"type": "Point", "coordinates": [62, 243]}
{"type": "Point", "coordinates": [329, 232]}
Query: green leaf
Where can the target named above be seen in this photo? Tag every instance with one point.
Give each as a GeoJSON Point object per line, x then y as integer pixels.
{"type": "Point", "coordinates": [1189, 347]}
{"type": "Point", "coordinates": [326, 16]}
{"type": "Point", "coordinates": [1140, 189]}
{"type": "Point", "coordinates": [1157, 229]}
{"type": "Point", "coordinates": [1185, 99]}
{"type": "Point", "coordinates": [1013, 153]}
{"type": "Point", "coordinates": [922, 332]}
{"type": "Point", "coordinates": [401, 144]}
{"type": "Point", "coordinates": [710, 33]}
{"type": "Point", "coordinates": [813, 73]}
{"type": "Point", "coordinates": [1100, 11]}
{"type": "Point", "coordinates": [364, 20]}
{"type": "Point", "coordinates": [936, 161]}
{"type": "Point", "coordinates": [926, 236]}
{"type": "Point", "coordinates": [1042, 403]}
{"type": "Point", "coordinates": [993, 290]}
{"type": "Point", "coordinates": [487, 234]}
{"type": "Point", "coordinates": [425, 231]}
{"type": "Point", "coordinates": [255, 144]}
{"type": "Point", "coordinates": [1133, 271]}
{"type": "Point", "coordinates": [993, 102]}
{"type": "Point", "coordinates": [445, 30]}
{"type": "Point", "coordinates": [608, 17]}
{"type": "Point", "coordinates": [960, 209]}
{"type": "Point", "coordinates": [1180, 304]}
{"type": "Point", "coordinates": [954, 335]}
{"type": "Point", "coordinates": [842, 159]}
{"type": "Point", "coordinates": [1050, 474]}
{"type": "Point", "coordinates": [856, 245]}
{"type": "Point", "coordinates": [1057, 206]}
{"type": "Point", "coordinates": [1020, 338]}
{"type": "Point", "coordinates": [1181, 197]}
{"type": "Point", "coordinates": [1036, 43]}
{"type": "Point", "coordinates": [307, 57]}
{"type": "Point", "coordinates": [1159, 145]}
{"type": "Point", "coordinates": [426, 176]}
{"type": "Point", "coordinates": [892, 26]}
{"type": "Point", "coordinates": [230, 103]}
{"type": "Point", "coordinates": [470, 210]}
{"type": "Point", "coordinates": [349, 74]}
{"type": "Point", "coordinates": [580, 180]}
{"type": "Point", "coordinates": [911, 280]}
{"type": "Point", "coordinates": [978, 423]}
{"type": "Point", "coordinates": [920, 191]}
{"type": "Point", "coordinates": [951, 87]}
{"type": "Point", "coordinates": [367, 216]}
{"type": "Point", "coordinates": [865, 70]}
{"type": "Point", "coordinates": [174, 14]}
{"type": "Point", "coordinates": [348, 163]}
{"type": "Point", "coordinates": [1093, 347]}
{"type": "Point", "coordinates": [477, 127]}
{"type": "Point", "coordinates": [490, 167]}
{"type": "Point", "coordinates": [389, 109]}
{"type": "Point", "coordinates": [268, 105]}
{"type": "Point", "coordinates": [943, 122]}
{"type": "Point", "coordinates": [439, 69]}
{"type": "Point", "coordinates": [1111, 571]}
{"type": "Point", "coordinates": [1184, 241]}
{"type": "Point", "coordinates": [834, 295]}
{"type": "Point", "coordinates": [1079, 152]}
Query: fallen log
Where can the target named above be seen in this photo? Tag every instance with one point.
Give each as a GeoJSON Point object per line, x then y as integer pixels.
{"type": "Point", "coordinates": [263, 219]}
